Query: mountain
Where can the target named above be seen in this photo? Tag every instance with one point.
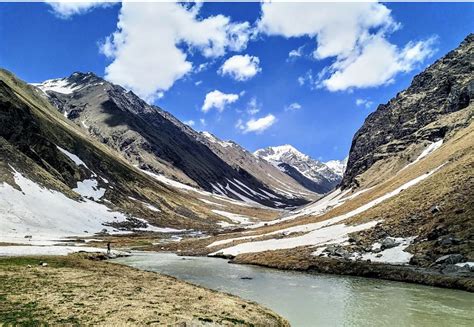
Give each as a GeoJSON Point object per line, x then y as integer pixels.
{"type": "Point", "coordinates": [314, 175]}
{"type": "Point", "coordinates": [428, 111]}
{"type": "Point", "coordinates": [404, 209]}
{"type": "Point", "coordinates": [155, 141]}
{"type": "Point", "coordinates": [240, 158]}
{"type": "Point", "coordinates": [56, 181]}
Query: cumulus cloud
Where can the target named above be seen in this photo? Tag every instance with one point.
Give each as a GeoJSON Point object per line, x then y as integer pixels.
{"type": "Point", "coordinates": [292, 107]}
{"type": "Point", "coordinates": [149, 48]}
{"type": "Point", "coordinates": [256, 125]}
{"type": "Point", "coordinates": [354, 35]}
{"type": "Point", "coordinates": [364, 102]}
{"type": "Point", "coordinates": [377, 64]}
{"type": "Point", "coordinates": [67, 9]}
{"type": "Point", "coordinates": [241, 67]}
{"type": "Point", "coordinates": [218, 100]}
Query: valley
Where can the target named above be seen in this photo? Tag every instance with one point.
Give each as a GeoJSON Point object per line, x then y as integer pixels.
{"type": "Point", "coordinates": [86, 164]}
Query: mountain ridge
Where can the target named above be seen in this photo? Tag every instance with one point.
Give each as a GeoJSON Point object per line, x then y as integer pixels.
{"type": "Point", "coordinates": [154, 139]}
{"type": "Point", "coordinates": [316, 175]}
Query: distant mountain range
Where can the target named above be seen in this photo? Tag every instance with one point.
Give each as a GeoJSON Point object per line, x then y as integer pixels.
{"type": "Point", "coordinates": [315, 175]}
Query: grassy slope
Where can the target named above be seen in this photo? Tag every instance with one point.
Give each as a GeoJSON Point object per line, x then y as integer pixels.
{"type": "Point", "coordinates": [406, 214]}
{"type": "Point", "coordinates": [77, 291]}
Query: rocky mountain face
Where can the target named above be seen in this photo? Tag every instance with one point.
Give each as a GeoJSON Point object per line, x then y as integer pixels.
{"type": "Point", "coordinates": [312, 174]}
{"type": "Point", "coordinates": [153, 140]}
{"type": "Point", "coordinates": [240, 158]}
{"type": "Point", "coordinates": [422, 114]}
{"type": "Point", "coordinates": [57, 181]}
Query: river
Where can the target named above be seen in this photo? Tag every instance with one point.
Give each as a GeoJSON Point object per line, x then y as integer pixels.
{"type": "Point", "coordinates": [317, 299]}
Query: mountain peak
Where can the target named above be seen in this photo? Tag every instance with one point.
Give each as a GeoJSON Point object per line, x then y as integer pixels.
{"type": "Point", "coordinates": [68, 85]}
{"type": "Point", "coordinates": [276, 153]}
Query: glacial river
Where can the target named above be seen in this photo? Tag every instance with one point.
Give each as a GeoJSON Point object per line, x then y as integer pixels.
{"type": "Point", "coordinates": [319, 300]}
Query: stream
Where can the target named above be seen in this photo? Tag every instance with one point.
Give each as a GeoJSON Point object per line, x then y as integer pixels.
{"type": "Point", "coordinates": [317, 299]}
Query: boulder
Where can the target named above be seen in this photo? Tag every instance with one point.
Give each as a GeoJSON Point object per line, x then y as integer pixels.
{"type": "Point", "coordinates": [435, 209]}
{"type": "Point", "coordinates": [450, 259]}
{"type": "Point", "coordinates": [389, 242]}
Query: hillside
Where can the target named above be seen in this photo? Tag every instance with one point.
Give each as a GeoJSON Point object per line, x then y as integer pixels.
{"type": "Point", "coordinates": [410, 221]}
{"type": "Point", "coordinates": [398, 131]}
{"type": "Point", "coordinates": [155, 141]}
{"type": "Point", "coordinates": [56, 181]}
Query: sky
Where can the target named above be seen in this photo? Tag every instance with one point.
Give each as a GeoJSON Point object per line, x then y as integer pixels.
{"type": "Point", "coordinates": [261, 74]}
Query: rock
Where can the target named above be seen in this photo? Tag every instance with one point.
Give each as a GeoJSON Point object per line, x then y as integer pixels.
{"type": "Point", "coordinates": [379, 255]}
{"type": "Point", "coordinates": [43, 264]}
{"type": "Point", "coordinates": [436, 233]}
{"type": "Point", "coordinates": [435, 209]}
{"type": "Point", "coordinates": [450, 259]}
{"type": "Point", "coordinates": [441, 89]}
{"type": "Point", "coordinates": [450, 269]}
{"type": "Point", "coordinates": [389, 242]}
{"type": "Point", "coordinates": [459, 211]}
{"type": "Point", "coordinates": [331, 250]}
{"type": "Point", "coordinates": [248, 278]}
{"type": "Point", "coordinates": [448, 240]}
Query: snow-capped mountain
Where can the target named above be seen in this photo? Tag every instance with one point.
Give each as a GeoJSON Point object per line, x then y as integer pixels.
{"type": "Point", "coordinates": [156, 141]}
{"type": "Point", "coordinates": [318, 176]}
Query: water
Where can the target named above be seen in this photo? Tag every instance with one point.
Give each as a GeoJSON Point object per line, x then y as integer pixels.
{"type": "Point", "coordinates": [319, 300]}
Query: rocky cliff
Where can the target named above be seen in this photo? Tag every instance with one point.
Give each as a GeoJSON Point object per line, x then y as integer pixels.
{"type": "Point", "coordinates": [420, 115]}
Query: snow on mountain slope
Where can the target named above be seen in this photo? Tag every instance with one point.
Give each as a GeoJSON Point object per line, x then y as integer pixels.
{"type": "Point", "coordinates": [315, 175]}
{"type": "Point", "coordinates": [48, 215]}
{"type": "Point", "coordinates": [151, 138]}
{"type": "Point", "coordinates": [238, 157]}
{"type": "Point", "coordinates": [318, 234]}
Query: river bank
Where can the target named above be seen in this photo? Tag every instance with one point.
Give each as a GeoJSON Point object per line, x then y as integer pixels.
{"type": "Point", "coordinates": [318, 299]}
{"type": "Point", "coordinates": [75, 290]}
{"type": "Point", "coordinates": [305, 262]}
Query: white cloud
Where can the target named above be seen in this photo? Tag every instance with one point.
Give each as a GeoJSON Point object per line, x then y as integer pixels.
{"type": "Point", "coordinates": [67, 9]}
{"type": "Point", "coordinates": [296, 53]}
{"type": "Point", "coordinates": [253, 107]}
{"type": "Point", "coordinates": [241, 67]}
{"type": "Point", "coordinates": [198, 83]}
{"type": "Point", "coordinates": [203, 122]}
{"type": "Point", "coordinates": [292, 107]}
{"type": "Point", "coordinates": [364, 102]}
{"type": "Point", "coordinates": [377, 64]}
{"type": "Point", "coordinates": [144, 48]}
{"type": "Point", "coordinates": [256, 125]}
{"type": "Point", "coordinates": [190, 122]}
{"type": "Point", "coordinates": [217, 99]}
{"type": "Point", "coordinates": [354, 35]}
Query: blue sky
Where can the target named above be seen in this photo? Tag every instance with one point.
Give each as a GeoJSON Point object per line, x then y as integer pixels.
{"type": "Point", "coordinates": [272, 98]}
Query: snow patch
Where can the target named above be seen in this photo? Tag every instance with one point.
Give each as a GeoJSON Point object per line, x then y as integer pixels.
{"type": "Point", "coordinates": [89, 188]}
{"type": "Point", "coordinates": [19, 250]}
{"type": "Point", "coordinates": [317, 233]}
{"type": "Point", "coordinates": [395, 255]}
{"type": "Point", "coordinates": [47, 214]}
{"type": "Point", "coordinates": [238, 219]}
{"type": "Point", "coordinates": [73, 157]}
{"type": "Point", "coordinates": [61, 85]}
{"type": "Point", "coordinates": [428, 150]}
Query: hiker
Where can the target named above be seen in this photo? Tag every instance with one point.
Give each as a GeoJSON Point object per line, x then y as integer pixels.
{"type": "Point", "coordinates": [108, 248]}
